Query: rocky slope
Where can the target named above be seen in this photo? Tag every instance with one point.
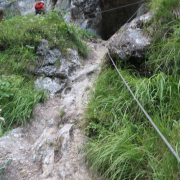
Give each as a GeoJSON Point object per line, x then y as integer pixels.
{"type": "Point", "coordinates": [49, 146]}
{"type": "Point", "coordinates": [86, 13]}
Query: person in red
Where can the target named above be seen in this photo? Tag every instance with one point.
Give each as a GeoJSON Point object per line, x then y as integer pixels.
{"type": "Point", "coordinates": [39, 7]}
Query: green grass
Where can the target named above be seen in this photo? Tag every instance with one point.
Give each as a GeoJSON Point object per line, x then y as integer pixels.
{"type": "Point", "coordinates": [165, 54]}
{"type": "Point", "coordinates": [164, 10]}
{"type": "Point", "coordinates": [17, 99]}
{"type": "Point", "coordinates": [123, 144]}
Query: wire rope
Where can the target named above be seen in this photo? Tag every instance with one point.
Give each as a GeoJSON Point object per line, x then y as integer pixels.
{"type": "Point", "coordinates": [139, 104]}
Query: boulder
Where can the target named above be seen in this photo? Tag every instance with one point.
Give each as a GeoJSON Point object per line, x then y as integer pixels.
{"type": "Point", "coordinates": [130, 41]}
{"type": "Point", "coordinates": [52, 64]}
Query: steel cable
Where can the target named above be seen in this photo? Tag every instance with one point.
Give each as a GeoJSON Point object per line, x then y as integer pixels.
{"type": "Point", "coordinates": [120, 7]}
{"type": "Point", "coordinates": [139, 104]}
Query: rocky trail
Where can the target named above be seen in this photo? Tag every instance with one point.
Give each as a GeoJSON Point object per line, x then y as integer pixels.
{"type": "Point", "coordinates": [48, 147]}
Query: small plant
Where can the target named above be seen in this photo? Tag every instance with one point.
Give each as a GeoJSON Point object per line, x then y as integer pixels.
{"type": "Point", "coordinates": [3, 167]}
{"type": "Point", "coordinates": [61, 113]}
{"type": "Point", "coordinates": [58, 63]}
{"type": "Point", "coordinates": [88, 88]}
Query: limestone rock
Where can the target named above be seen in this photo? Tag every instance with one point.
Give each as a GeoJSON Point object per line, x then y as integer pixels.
{"type": "Point", "coordinates": [130, 41]}
{"type": "Point", "coordinates": [55, 68]}
{"type": "Point", "coordinates": [53, 64]}
{"type": "Point", "coordinates": [64, 136]}
{"type": "Point", "coordinates": [53, 86]}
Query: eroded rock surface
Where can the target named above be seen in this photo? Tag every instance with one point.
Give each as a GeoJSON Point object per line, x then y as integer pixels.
{"type": "Point", "coordinates": [48, 147]}
{"type": "Point", "coordinates": [54, 70]}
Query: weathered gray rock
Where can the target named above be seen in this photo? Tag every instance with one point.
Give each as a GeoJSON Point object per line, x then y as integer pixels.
{"type": "Point", "coordinates": [48, 71]}
{"type": "Point", "coordinates": [53, 86]}
{"type": "Point", "coordinates": [49, 56]}
{"type": "Point", "coordinates": [142, 10]}
{"type": "Point", "coordinates": [64, 137]}
{"type": "Point", "coordinates": [43, 48]}
{"type": "Point", "coordinates": [86, 14]}
{"type": "Point", "coordinates": [130, 41]}
{"type": "Point", "coordinates": [52, 64]}
{"type": "Point", "coordinates": [55, 68]}
{"type": "Point", "coordinates": [19, 6]}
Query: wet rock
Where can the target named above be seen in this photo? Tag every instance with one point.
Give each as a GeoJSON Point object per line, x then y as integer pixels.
{"type": "Point", "coordinates": [130, 41]}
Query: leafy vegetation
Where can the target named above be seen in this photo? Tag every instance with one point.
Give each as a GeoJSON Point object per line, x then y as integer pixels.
{"type": "Point", "coordinates": [122, 143]}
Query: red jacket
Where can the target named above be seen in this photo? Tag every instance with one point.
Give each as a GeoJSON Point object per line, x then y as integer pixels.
{"type": "Point", "coordinates": [38, 6]}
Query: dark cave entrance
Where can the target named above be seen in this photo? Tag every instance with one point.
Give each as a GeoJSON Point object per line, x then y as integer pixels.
{"type": "Point", "coordinates": [113, 20]}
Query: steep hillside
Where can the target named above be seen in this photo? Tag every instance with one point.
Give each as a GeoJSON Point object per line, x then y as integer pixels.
{"type": "Point", "coordinates": [123, 144]}
{"type": "Point", "coordinates": [43, 59]}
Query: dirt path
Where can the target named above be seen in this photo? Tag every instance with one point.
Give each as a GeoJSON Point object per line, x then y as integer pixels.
{"type": "Point", "coordinates": [48, 147]}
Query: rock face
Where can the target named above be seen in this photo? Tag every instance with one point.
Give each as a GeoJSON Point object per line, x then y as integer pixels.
{"type": "Point", "coordinates": [54, 70]}
{"type": "Point", "coordinates": [113, 20]}
{"type": "Point", "coordinates": [86, 13]}
{"type": "Point", "coordinates": [130, 42]}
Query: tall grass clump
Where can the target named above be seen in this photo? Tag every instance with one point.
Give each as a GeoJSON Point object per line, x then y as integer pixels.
{"type": "Point", "coordinates": [123, 144]}
{"type": "Point", "coordinates": [164, 55]}
{"type": "Point", "coordinates": [17, 99]}
{"type": "Point", "coordinates": [164, 10]}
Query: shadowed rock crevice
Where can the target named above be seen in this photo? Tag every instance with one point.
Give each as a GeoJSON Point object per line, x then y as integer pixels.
{"type": "Point", "coordinates": [113, 20]}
